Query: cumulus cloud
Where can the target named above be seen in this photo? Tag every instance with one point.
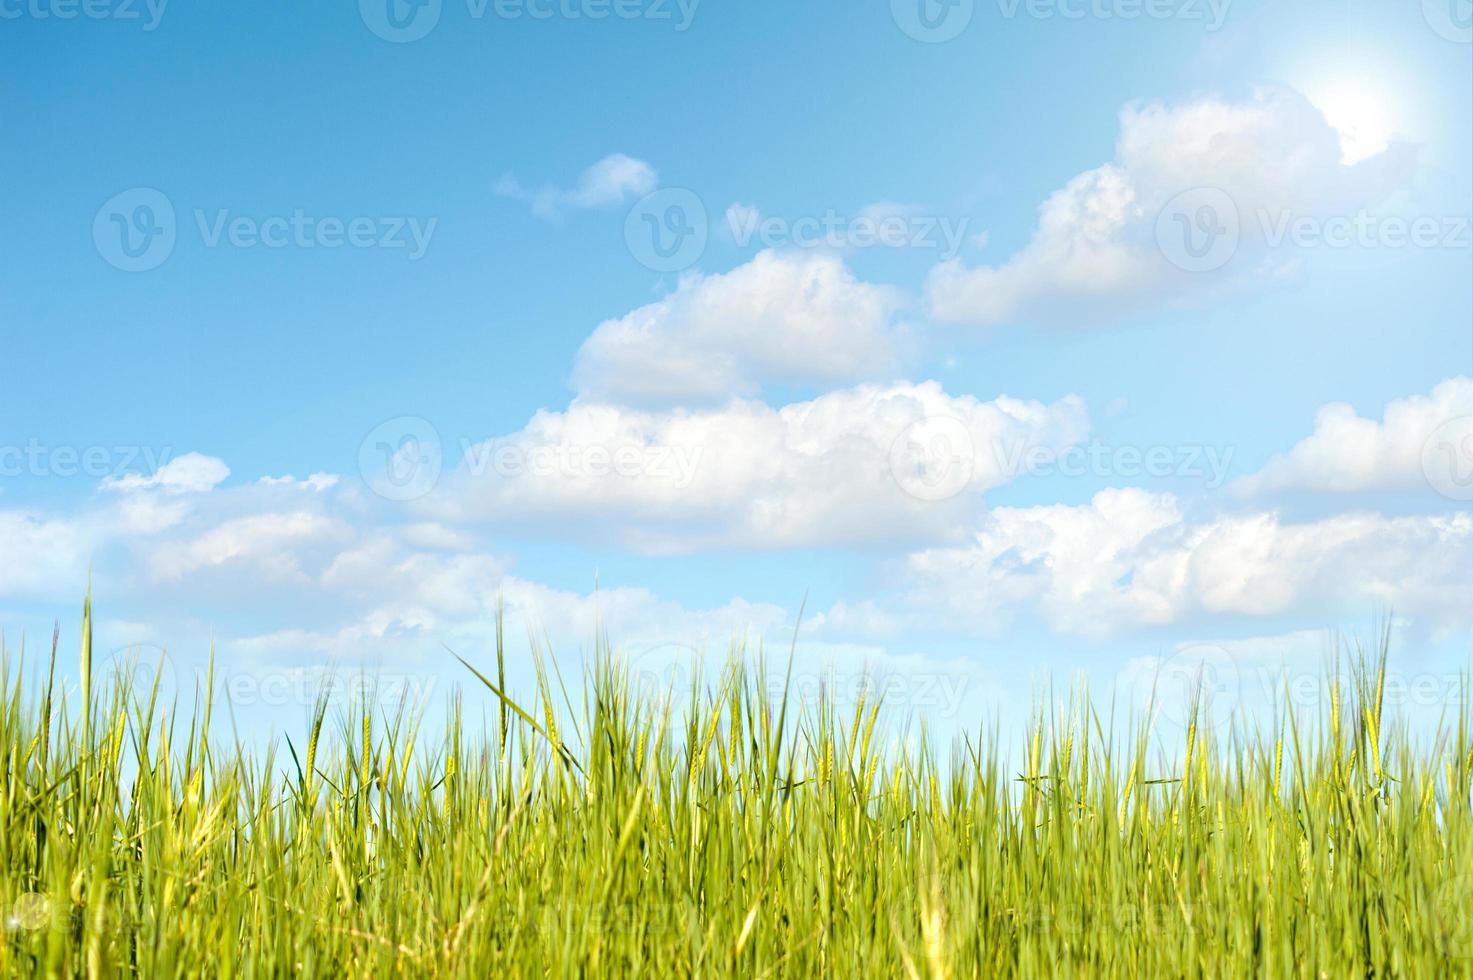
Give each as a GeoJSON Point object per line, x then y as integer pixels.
{"type": "Point", "coordinates": [606, 184]}
{"type": "Point", "coordinates": [781, 318]}
{"type": "Point", "coordinates": [665, 645]}
{"type": "Point", "coordinates": [317, 481]}
{"type": "Point", "coordinates": [383, 566]}
{"type": "Point", "coordinates": [159, 520]}
{"type": "Point", "coordinates": [326, 579]}
{"type": "Point", "coordinates": [831, 471]}
{"type": "Point", "coordinates": [1347, 453]}
{"type": "Point", "coordinates": [1131, 558]}
{"type": "Point", "coordinates": [461, 611]}
{"type": "Point", "coordinates": [41, 555]}
{"type": "Point", "coordinates": [190, 473]}
{"type": "Point", "coordinates": [266, 543]}
{"type": "Point", "coordinates": [1103, 244]}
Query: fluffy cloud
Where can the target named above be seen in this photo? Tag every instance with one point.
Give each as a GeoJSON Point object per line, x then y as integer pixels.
{"type": "Point", "coordinates": [266, 544]}
{"type": "Point", "coordinates": [384, 566]}
{"type": "Point", "coordinates": [606, 184]}
{"type": "Point", "coordinates": [1349, 453]}
{"type": "Point", "coordinates": [459, 609]}
{"type": "Point", "coordinates": [41, 555]}
{"type": "Point", "coordinates": [190, 473]}
{"type": "Point", "coordinates": [167, 526]}
{"type": "Point", "coordinates": [1131, 558]}
{"type": "Point", "coordinates": [1097, 249]}
{"type": "Point", "coordinates": [832, 471]}
{"type": "Point", "coordinates": [784, 318]}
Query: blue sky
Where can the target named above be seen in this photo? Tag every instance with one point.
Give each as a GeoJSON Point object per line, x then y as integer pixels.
{"type": "Point", "coordinates": [1036, 173]}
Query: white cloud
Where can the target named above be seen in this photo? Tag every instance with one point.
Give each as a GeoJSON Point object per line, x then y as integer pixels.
{"type": "Point", "coordinates": [746, 475]}
{"type": "Point", "coordinates": [316, 482]}
{"type": "Point", "coordinates": [436, 537]}
{"type": "Point", "coordinates": [382, 569]}
{"type": "Point", "coordinates": [1347, 453]}
{"type": "Point", "coordinates": [785, 318]}
{"type": "Point", "coordinates": [889, 211]}
{"type": "Point", "coordinates": [167, 526]}
{"type": "Point", "coordinates": [266, 543]}
{"type": "Point", "coordinates": [326, 581]}
{"type": "Point", "coordinates": [648, 629]}
{"type": "Point", "coordinates": [606, 184]}
{"type": "Point", "coordinates": [41, 555]}
{"type": "Point", "coordinates": [1131, 558]}
{"type": "Point", "coordinates": [1095, 251]}
{"type": "Point", "coordinates": [190, 473]}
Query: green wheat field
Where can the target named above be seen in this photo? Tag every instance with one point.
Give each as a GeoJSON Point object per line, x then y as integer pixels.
{"type": "Point", "coordinates": [588, 830]}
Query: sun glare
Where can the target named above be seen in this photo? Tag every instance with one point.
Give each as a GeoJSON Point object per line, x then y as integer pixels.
{"type": "Point", "coordinates": [1362, 110]}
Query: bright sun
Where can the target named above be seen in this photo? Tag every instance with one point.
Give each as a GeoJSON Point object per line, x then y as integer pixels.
{"type": "Point", "coordinates": [1361, 109]}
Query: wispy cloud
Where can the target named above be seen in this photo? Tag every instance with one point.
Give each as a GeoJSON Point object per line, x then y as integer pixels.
{"type": "Point", "coordinates": [610, 182]}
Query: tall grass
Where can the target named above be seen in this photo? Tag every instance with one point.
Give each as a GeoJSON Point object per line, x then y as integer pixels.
{"type": "Point", "coordinates": [722, 832]}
